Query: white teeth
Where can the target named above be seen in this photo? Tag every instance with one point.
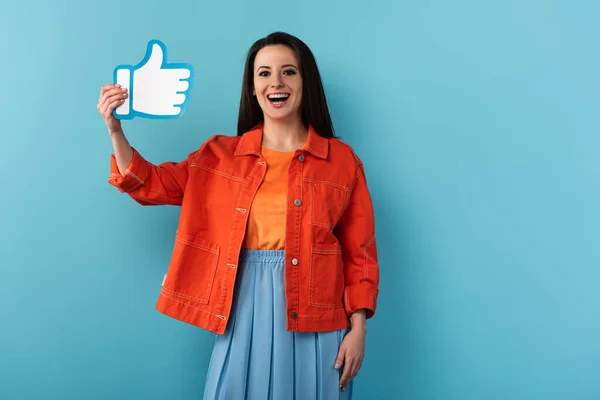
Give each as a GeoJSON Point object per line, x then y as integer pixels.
{"type": "Point", "coordinates": [278, 96]}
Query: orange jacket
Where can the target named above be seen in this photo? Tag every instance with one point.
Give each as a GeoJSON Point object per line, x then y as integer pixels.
{"type": "Point", "coordinates": [331, 267]}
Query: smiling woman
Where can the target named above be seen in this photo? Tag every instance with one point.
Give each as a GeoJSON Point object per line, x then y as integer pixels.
{"type": "Point", "coordinates": [283, 65]}
{"type": "Point", "coordinates": [277, 82]}
{"type": "Point", "coordinates": [283, 265]}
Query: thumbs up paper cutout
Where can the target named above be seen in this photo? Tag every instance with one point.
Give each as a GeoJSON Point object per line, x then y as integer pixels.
{"type": "Point", "coordinates": [157, 89]}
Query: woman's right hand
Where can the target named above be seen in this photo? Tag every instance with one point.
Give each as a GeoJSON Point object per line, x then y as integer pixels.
{"type": "Point", "coordinates": [111, 97]}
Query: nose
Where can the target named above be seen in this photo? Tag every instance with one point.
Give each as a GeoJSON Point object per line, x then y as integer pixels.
{"type": "Point", "coordinates": [277, 81]}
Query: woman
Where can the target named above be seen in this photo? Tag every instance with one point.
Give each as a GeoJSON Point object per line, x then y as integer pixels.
{"type": "Point", "coordinates": [275, 247]}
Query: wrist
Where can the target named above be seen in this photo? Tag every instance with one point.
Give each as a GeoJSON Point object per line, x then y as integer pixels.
{"type": "Point", "coordinates": [116, 133]}
{"type": "Point", "coordinates": [359, 328]}
{"type": "Point", "coordinates": [359, 320]}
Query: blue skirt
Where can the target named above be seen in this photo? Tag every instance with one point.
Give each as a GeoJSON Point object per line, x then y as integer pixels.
{"type": "Point", "coordinates": [256, 358]}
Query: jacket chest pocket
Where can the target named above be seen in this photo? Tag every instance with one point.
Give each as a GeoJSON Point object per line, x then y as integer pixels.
{"type": "Point", "coordinates": [327, 201]}
{"type": "Point", "coordinates": [326, 286]}
{"type": "Point", "coordinates": [192, 270]}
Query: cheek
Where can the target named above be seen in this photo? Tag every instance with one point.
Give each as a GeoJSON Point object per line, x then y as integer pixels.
{"type": "Point", "coordinates": [259, 93]}
{"type": "Point", "coordinates": [299, 96]}
{"type": "Point", "coordinates": [298, 89]}
{"type": "Point", "coordinates": [258, 86]}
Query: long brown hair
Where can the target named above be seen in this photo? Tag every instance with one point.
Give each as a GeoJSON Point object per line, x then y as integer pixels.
{"type": "Point", "coordinates": [314, 104]}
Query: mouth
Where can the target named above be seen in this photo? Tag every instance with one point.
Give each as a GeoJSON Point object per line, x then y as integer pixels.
{"type": "Point", "coordinates": [278, 100]}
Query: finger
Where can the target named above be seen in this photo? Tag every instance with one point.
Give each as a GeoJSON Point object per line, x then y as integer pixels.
{"type": "Point", "coordinates": [102, 106]}
{"type": "Point", "coordinates": [358, 366]}
{"type": "Point", "coordinates": [114, 92]}
{"type": "Point", "coordinates": [112, 106]}
{"type": "Point", "coordinates": [340, 357]}
{"type": "Point", "coordinates": [109, 104]}
{"type": "Point", "coordinates": [104, 102]}
{"type": "Point", "coordinates": [106, 88]}
{"type": "Point", "coordinates": [346, 373]}
{"type": "Point", "coordinates": [117, 95]}
{"type": "Point", "coordinates": [105, 106]}
{"type": "Point", "coordinates": [355, 368]}
{"type": "Point", "coordinates": [110, 91]}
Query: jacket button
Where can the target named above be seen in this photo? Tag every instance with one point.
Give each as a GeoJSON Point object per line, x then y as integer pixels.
{"type": "Point", "coordinates": [294, 315]}
{"type": "Point", "coordinates": [294, 261]}
{"type": "Point", "coordinates": [297, 202]}
{"type": "Point", "coordinates": [301, 158]}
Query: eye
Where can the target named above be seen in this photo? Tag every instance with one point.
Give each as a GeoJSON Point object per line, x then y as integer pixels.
{"type": "Point", "coordinates": [289, 72]}
{"type": "Point", "coordinates": [263, 73]}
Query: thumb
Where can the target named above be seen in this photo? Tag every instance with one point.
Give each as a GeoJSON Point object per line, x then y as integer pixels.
{"type": "Point", "coordinates": [340, 358]}
{"type": "Point", "coordinates": [154, 55]}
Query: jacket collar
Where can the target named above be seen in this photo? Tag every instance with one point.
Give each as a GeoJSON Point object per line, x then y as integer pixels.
{"type": "Point", "coordinates": [251, 143]}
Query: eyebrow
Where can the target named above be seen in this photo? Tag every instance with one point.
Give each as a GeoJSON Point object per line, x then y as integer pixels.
{"type": "Point", "coordinates": [283, 66]}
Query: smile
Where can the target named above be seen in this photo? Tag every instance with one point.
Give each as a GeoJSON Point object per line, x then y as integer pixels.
{"type": "Point", "coordinates": [278, 99]}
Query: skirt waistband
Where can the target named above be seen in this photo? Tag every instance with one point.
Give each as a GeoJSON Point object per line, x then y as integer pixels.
{"type": "Point", "coordinates": [251, 255]}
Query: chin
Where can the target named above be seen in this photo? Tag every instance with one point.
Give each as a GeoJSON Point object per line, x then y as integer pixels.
{"type": "Point", "coordinates": [282, 117]}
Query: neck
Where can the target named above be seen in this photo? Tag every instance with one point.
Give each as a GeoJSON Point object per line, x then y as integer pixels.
{"type": "Point", "coordinates": [284, 135]}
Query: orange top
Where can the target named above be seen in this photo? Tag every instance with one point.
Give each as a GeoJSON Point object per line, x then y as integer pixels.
{"type": "Point", "coordinates": [266, 219]}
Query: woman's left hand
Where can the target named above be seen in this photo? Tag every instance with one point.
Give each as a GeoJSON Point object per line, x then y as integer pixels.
{"type": "Point", "coordinates": [351, 354]}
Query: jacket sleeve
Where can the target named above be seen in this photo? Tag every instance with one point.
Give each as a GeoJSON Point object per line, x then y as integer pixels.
{"type": "Point", "coordinates": [150, 184]}
{"type": "Point", "coordinates": [356, 233]}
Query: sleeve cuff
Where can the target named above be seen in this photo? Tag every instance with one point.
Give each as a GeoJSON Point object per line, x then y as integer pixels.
{"type": "Point", "coordinates": [361, 295]}
{"type": "Point", "coordinates": [135, 174]}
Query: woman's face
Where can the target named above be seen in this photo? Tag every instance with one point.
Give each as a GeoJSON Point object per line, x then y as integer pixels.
{"type": "Point", "coordinates": [277, 83]}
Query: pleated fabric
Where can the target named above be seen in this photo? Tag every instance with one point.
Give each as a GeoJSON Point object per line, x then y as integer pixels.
{"type": "Point", "coordinates": [256, 358]}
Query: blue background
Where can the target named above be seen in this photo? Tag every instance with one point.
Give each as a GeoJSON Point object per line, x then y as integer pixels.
{"type": "Point", "coordinates": [478, 125]}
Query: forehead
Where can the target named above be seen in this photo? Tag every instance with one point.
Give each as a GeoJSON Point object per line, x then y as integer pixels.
{"type": "Point", "coordinates": [275, 55]}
